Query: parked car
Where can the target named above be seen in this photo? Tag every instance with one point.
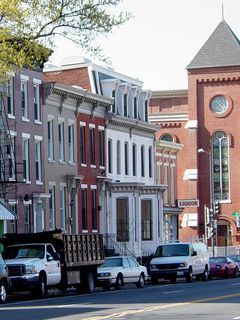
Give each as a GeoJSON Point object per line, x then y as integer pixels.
{"type": "Point", "coordinates": [236, 258]}
{"type": "Point", "coordinates": [4, 281]}
{"type": "Point", "coordinates": [180, 260]}
{"type": "Point", "coordinates": [118, 270]}
{"type": "Point", "coordinates": [223, 267]}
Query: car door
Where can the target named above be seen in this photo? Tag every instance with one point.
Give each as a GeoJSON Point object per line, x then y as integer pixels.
{"type": "Point", "coordinates": [52, 266]}
{"type": "Point", "coordinates": [127, 273]}
{"type": "Point", "coordinates": [134, 269]}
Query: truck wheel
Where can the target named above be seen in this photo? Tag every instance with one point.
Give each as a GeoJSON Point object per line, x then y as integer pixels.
{"type": "Point", "coordinates": [90, 283]}
{"type": "Point", "coordinates": [3, 292]}
{"type": "Point", "coordinates": [189, 277]}
{"type": "Point", "coordinates": [204, 275]}
{"type": "Point", "coordinates": [41, 290]}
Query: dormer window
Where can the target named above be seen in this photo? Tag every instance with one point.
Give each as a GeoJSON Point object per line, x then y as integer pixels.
{"type": "Point", "coordinates": [114, 102]}
{"type": "Point", "coordinates": [135, 108]}
{"type": "Point", "coordinates": [125, 106]}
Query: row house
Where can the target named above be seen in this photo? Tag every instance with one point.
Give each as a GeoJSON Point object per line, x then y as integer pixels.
{"type": "Point", "coordinates": [131, 202]}
{"type": "Point", "coordinates": [75, 162]}
{"type": "Point", "coordinates": [22, 152]}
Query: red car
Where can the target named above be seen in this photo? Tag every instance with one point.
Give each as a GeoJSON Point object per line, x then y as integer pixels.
{"type": "Point", "coordinates": [223, 267]}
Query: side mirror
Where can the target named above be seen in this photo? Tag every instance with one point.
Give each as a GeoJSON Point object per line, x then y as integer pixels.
{"type": "Point", "coordinates": [194, 253]}
{"type": "Point", "coordinates": [56, 256]}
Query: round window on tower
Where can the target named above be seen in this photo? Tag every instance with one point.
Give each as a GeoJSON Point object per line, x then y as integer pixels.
{"type": "Point", "coordinates": [219, 104]}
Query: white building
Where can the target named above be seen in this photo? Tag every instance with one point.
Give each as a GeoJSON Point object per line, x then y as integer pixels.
{"type": "Point", "coordinates": [131, 215]}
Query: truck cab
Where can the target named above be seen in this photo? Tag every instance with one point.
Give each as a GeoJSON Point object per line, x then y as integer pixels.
{"type": "Point", "coordinates": [32, 266]}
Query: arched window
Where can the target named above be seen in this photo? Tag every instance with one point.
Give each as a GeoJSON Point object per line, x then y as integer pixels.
{"type": "Point", "coordinates": [166, 137]}
{"type": "Point", "coordinates": [220, 165]}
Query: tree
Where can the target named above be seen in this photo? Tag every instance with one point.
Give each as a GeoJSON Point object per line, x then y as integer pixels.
{"type": "Point", "coordinates": [28, 28]}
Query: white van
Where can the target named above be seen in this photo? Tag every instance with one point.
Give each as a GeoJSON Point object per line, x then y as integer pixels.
{"type": "Point", "coordinates": [180, 260]}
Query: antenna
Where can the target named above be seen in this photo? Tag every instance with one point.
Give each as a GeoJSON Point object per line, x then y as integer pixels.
{"type": "Point", "coordinates": [222, 11]}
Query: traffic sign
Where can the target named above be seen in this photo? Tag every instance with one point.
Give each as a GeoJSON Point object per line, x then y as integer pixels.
{"type": "Point", "coordinates": [236, 214]}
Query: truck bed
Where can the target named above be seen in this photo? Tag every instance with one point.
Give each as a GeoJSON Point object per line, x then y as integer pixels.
{"type": "Point", "coordinates": [74, 249]}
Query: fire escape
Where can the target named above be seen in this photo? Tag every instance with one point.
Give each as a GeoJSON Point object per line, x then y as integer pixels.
{"type": "Point", "coordinates": [9, 174]}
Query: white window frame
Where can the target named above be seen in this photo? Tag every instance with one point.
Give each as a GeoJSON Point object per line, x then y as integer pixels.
{"type": "Point", "coordinates": [11, 155]}
{"type": "Point", "coordinates": [10, 105]}
{"type": "Point", "coordinates": [24, 100]}
{"type": "Point", "coordinates": [61, 141]}
{"type": "Point", "coordinates": [50, 139]}
{"type": "Point", "coordinates": [71, 150]}
{"type": "Point", "coordinates": [36, 102]}
{"type": "Point", "coordinates": [63, 207]}
{"type": "Point", "coordinates": [110, 156]}
{"type": "Point", "coordinates": [27, 218]}
{"type": "Point", "coordinates": [118, 157]}
{"type": "Point", "coordinates": [52, 207]}
{"type": "Point", "coordinates": [26, 158]}
{"type": "Point", "coordinates": [38, 160]}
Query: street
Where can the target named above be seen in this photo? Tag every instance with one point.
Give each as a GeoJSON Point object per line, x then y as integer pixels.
{"type": "Point", "coordinates": [215, 299]}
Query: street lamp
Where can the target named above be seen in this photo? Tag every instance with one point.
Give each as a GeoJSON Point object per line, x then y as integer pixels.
{"type": "Point", "coordinates": [201, 150]}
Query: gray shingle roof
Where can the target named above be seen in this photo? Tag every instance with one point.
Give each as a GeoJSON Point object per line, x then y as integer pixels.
{"type": "Point", "coordinates": [222, 49]}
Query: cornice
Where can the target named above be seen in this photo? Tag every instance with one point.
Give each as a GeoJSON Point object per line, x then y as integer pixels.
{"type": "Point", "coordinates": [140, 188]}
{"type": "Point", "coordinates": [170, 93]}
{"type": "Point", "coordinates": [130, 123]}
{"type": "Point", "coordinates": [168, 117]}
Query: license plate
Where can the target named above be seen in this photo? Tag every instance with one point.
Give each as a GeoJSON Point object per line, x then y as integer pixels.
{"type": "Point", "coordinates": [180, 273]}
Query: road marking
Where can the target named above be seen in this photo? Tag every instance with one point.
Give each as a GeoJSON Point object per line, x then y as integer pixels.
{"type": "Point", "coordinates": [235, 284]}
{"type": "Point", "coordinates": [236, 318]}
{"type": "Point", "coordinates": [154, 308]}
{"type": "Point", "coordinates": [176, 291]}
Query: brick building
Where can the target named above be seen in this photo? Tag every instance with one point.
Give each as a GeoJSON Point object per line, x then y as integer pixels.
{"type": "Point", "coordinates": [204, 119]}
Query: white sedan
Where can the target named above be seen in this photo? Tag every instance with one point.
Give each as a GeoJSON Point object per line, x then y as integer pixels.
{"type": "Point", "coordinates": [119, 270]}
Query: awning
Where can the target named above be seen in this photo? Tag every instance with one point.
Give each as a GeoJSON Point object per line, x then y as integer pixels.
{"type": "Point", "coordinates": [6, 213]}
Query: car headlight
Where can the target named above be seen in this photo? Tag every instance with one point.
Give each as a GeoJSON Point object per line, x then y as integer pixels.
{"type": "Point", "coordinates": [105, 274]}
{"type": "Point", "coordinates": [153, 266]}
{"type": "Point", "coordinates": [183, 264]}
{"type": "Point", "coordinates": [31, 269]}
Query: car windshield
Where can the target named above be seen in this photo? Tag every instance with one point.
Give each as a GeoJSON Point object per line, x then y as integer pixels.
{"type": "Point", "coordinates": [172, 250]}
{"type": "Point", "coordinates": [116, 262]}
{"type": "Point", "coordinates": [218, 260]}
{"type": "Point", "coordinates": [24, 251]}
{"type": "Point", "coordinates": [235, 258]}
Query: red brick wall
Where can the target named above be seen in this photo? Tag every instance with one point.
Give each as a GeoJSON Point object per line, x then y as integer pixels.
{"type": "Point", "coordinates": [78, 77]}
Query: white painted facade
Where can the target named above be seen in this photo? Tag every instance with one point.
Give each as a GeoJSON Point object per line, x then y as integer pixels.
{"type": "Point", "coordinates": [128, 189]}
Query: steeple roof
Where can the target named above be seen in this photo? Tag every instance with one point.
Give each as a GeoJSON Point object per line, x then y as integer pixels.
{"type": "Point", "coordinates": [222, 49]}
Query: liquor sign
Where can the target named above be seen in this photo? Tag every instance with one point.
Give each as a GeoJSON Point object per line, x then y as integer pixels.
{"type": "Point", "coordinates": [185, 203]}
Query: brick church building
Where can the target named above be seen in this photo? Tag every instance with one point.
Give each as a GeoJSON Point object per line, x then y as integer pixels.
{"type": "Point", "coordinates": [205, 120]}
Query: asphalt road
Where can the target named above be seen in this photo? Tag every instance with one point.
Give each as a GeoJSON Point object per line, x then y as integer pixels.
{"type": "Point", "coordinates": [215, 299]}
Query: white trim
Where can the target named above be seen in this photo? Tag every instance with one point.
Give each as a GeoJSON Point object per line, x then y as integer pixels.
{"type": "Point", "coordinates": [191, 124]}
{"type": "Point", "coordinates": [83, 124]}
{"type": "Point", "coordinates": [62, 184]}
{"type": "Point", "coordinates": [61, 119]}
{"type": "Point", "coordinates": [93, 187]}
{"type": "Point", "coordinates": [38, 138]}
{"type": "Point", "coordinates": [84, 186]}
{"type": "Point", "coordinates": [24, 77]}
{"type": "Point", "coordinates": [26, 135]}
{"type": "Point", "coordinates": [51, 183]}
{"type": "Point", "coordinates": [37, 81]}
{"type": "Point", "coordinates": [92, 125]}
{"type": "Point", "coordinates": [50, 117]}
{"type": "Point", "coordinates": [71, 121]}
{"type": "Point", "coordinates": [101, 128]}
{"type": "Point", "coordinates": [190, 174]}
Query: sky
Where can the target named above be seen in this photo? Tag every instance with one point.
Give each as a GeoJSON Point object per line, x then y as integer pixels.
{"type": "Point", "coordinates": [161, 39]}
